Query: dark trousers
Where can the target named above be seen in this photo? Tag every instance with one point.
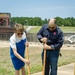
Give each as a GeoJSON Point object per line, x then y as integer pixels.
{"type": "Point", "coordinates": [51, 62]}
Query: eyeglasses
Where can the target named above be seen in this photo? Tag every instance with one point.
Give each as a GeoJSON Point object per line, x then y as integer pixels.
{"type": "Point", "coordinates": [51, 27]}
{"type": "Point", "coordinates": [19, 33]}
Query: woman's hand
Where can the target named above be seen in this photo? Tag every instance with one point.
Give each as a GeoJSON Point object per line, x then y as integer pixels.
{"type": "Point", "coordinates": [27, 44]}
{"type": "Point", "coordinates": [26, 61]}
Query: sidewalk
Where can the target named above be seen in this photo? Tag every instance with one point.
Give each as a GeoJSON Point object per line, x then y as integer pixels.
{"type": "Point", "coordinates": [63, 70]}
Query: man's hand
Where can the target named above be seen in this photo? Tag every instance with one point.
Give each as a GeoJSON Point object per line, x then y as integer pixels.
{"type": "Point", "coordinates": [45, 47]}
{"type": "Point", "coordinates": [44, 40]}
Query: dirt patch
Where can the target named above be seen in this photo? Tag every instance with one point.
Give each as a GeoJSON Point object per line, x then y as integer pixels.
{"type": "Point", "coordinates": [34, 44]}
{"type": "Point", "coordinates": [7, 44]}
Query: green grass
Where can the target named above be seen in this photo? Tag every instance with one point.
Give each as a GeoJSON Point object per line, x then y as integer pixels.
{"type": "Point", "coordinates": [6, 67]}
{"type": "Point", "coordinates": [64, 29]}
{"type": "Point", "coordinates": [68, 57]}
{"type": "Point", "coordinates": [68, 29]}
{"type": "Point", "coordinates": [4, 71]}
{"type": "Point", "coordinates": [35, 29]}
{"type": "Point", "coordinates": [25, 27]}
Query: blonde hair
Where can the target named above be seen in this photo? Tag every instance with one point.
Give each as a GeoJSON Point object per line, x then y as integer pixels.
{"type": "Point", "coordinates": [18, 27]}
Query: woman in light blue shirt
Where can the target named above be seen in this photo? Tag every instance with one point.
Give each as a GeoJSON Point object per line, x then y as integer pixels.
{"type": "Point", "coordinates": [17, 49]}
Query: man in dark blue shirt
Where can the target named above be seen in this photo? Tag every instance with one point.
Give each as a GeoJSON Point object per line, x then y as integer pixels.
{"type": "Point", "coordinates": [52, 38]}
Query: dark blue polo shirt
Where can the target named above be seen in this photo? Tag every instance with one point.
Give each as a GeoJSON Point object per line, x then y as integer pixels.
{"type": "Point", "coordinates": [55, 37]}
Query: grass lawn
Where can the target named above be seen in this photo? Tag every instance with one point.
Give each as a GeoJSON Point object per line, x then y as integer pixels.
{"type": "Point", "coordinates": [64, 29]}
{"type": "Point", "coordinates": [6, 67]}
{"type": "Point", "coordinates": [35, 29]}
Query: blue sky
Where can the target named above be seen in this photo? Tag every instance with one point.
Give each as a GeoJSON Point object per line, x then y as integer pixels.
{"type": "Point", "coordinates": [39, 8]}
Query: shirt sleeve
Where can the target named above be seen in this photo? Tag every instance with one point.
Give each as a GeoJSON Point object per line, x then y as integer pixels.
{"type": "Point", "coordinates": [60, 41]}
{"type": "Point", "coordinates": [40, 34]}
{"type": "Point", "coordinates": [24, 37]}
{"type": "Point", "coordinates": [12, 43]}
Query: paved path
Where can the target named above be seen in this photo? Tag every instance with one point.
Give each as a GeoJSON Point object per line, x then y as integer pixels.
{"type": "Point", "coordinates": [63, 70]}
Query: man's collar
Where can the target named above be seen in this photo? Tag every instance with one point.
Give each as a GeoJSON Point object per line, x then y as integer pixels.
{"type": "Point", "coordinates": [47, 27]}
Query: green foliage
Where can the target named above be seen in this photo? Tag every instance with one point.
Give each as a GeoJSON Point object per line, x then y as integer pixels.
{"type": "Point", "coordinates": [37, 21]}
{"type": "Point", "coordinates": [70, 21]}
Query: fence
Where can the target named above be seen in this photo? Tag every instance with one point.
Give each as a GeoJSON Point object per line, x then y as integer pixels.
{"type": "Point", "coordinates": [5, 36]}
{"type": "Point", "coordinates": [32, 37]}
